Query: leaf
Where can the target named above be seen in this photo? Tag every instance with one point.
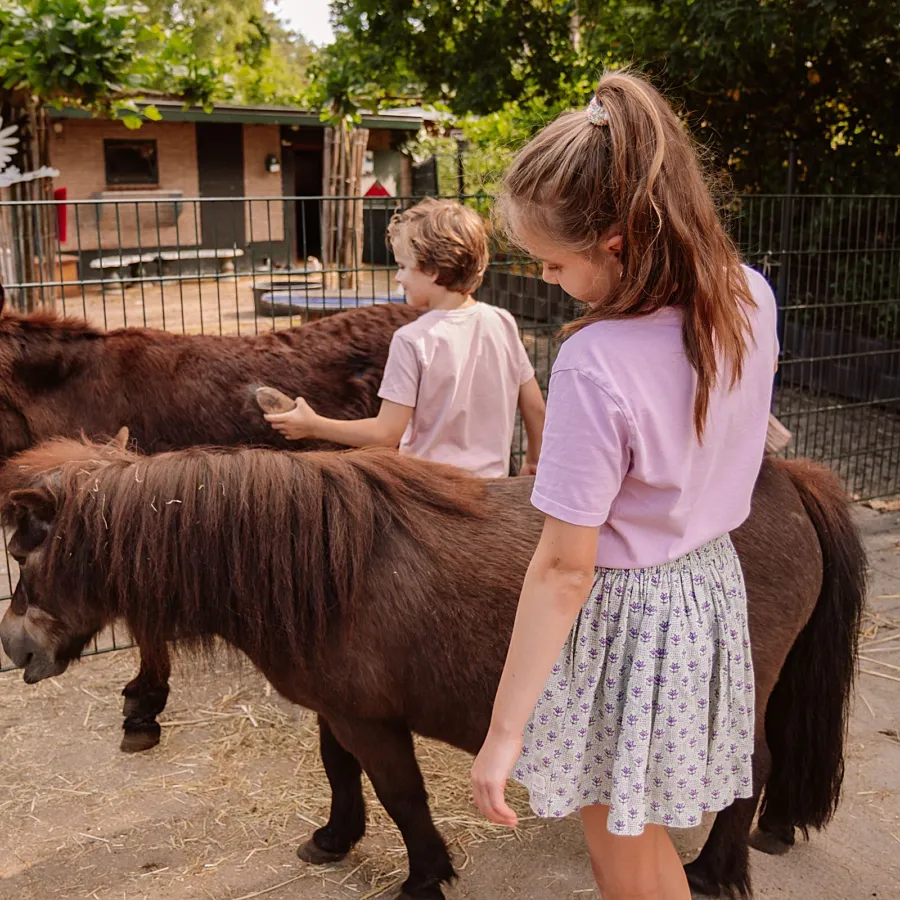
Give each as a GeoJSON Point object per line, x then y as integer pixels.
{"type": "Point", "coordinates": [152, 113]}
{"type": "Point", "coordinates": [132, 122]}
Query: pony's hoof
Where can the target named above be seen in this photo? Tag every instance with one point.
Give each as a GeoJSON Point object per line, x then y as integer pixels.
{"type": "Point", "coordinates": [430, 891]}
{"type": "Point", "coordinates": [140, 734]}
{"type": "Point", "coordinates": [312, 853]}
{"type": "Point", "coordinates": [140, 740]}
{"type": "Point", "coordinates": [770, 842]}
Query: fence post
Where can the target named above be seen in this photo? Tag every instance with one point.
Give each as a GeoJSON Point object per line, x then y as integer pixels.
{"type": "Point", "coordinates": [784, 248]}
{"type": "Point", "coordinates": [787, 221]}
{"type": "Point", "coordinates": [460, 138]}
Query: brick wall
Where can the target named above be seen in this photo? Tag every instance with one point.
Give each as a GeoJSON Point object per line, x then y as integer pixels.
{"type": "Point", "coordinates": [77, 151]}
{"type": "Point", "coordinates": [263, 220]}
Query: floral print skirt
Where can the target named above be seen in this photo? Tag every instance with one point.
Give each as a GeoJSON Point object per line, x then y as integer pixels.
{"type": "Point", "coordinates": [649, 708]}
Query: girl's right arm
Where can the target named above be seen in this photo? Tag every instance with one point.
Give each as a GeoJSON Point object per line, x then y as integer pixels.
{"type": "Point", "coordinates": [556, 586]}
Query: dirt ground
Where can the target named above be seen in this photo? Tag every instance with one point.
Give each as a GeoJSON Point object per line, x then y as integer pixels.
{"type": "Point", "coordinates": [216, 811]}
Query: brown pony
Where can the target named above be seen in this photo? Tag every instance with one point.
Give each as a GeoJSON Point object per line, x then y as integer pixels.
{"type": "Point", "coordinates": [386, 604]}
{"type": "Point", "coordinates": [62, 377]}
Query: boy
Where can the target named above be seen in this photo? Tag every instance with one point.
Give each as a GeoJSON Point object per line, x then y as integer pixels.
{"type": "Point", "coordinates": [455, 376]}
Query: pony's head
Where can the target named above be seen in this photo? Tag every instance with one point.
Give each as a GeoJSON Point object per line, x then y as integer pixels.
{"type": "Point", "coordinates": [41, 631]}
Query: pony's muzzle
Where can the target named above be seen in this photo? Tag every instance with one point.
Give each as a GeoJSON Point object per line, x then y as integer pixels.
{"type": "Point", "coordinates": [27, 652]}
{"type": "Point", "coordinates": [15, 639]}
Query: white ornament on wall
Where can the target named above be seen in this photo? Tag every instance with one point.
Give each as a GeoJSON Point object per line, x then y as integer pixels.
{"type": "Point", "coordinates": [10, 175]}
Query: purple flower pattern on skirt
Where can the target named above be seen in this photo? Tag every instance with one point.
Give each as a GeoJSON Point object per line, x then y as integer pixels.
{"type": "Point", "coordinates": [649, 708]}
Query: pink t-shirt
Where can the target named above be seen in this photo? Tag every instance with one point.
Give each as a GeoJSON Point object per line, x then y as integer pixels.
{"type": "Point", "coordinates": [460, 370]}
{"type": "Point", "coordinates": [620, 450]}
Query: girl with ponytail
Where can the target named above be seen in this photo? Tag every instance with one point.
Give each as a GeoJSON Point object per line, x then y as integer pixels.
{"type": "Point", "coordinates": [627, 693]}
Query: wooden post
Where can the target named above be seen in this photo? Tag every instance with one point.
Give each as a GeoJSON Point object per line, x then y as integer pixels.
{"type": "Point", "coordinates": [342, 213]}
{"type": "Point", "coordinates": [327, 225]}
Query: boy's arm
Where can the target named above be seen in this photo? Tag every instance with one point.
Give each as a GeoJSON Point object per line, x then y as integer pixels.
{"type": "Point", "coordinates": [533, 409]}
{"type": "Point", "coordinates": [384, 430]}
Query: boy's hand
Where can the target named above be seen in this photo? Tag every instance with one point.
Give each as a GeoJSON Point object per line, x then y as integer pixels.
{"type": "Point", "coordinates": [296, 424]}
{"type": "Point", "coordinates": [528, 467]}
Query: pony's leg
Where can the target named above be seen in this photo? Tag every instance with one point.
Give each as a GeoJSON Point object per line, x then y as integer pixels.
{"type": "Point", "coordinates": [722, 868]}
{"type": "Point", "coordinates": [385, 751]}
{"type": "Point", "coordinates": [145, 698]}
{"type": "Point", "coordinates": [347, 823]}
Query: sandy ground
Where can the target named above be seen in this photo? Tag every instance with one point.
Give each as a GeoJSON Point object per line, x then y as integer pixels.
{"type": "Point", "coordinates": [217, 810]}
{"type": "Point", "coordinates": [213, 304]}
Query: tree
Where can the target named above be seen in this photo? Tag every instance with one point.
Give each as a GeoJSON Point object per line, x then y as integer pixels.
{"type": "Point", "coordinates": [56, 51]}
{"type": "Point", "coordinates": [758, 77]}
{"type": "Point", "coordinates": [754, 77]}
{"type": "Point", "coordinates": [248, 54]}
{"type": "Point", "coordinates": [475, 56]}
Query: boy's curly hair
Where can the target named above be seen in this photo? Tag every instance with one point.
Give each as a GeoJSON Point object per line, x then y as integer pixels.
{"type": "Point", "coordinates": [445, 237]}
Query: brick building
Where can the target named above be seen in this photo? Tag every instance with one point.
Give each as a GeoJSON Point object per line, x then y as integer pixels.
{"type": "Point", "coordinates": [256, 158]}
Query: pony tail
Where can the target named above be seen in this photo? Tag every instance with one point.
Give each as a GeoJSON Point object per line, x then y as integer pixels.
{"type": "Point", "coordinates": [627, 163]}
{"type": "Point", "coordinates": [693, 263]}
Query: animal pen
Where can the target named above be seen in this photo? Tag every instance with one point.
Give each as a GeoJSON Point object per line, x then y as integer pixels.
{"type": "Point", "coordinates": [244, 265]}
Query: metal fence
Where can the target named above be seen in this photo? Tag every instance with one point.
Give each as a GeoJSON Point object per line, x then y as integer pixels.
{"type": "Point", "coordinates": [243, 265]}
{"type": "Point", "coordinates": [834, 262]}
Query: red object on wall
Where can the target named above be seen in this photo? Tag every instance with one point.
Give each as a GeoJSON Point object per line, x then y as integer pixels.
{"type": "Point", "coordinates": [377, 190]}
{"type": "Point", "coordinates": [60, 194]}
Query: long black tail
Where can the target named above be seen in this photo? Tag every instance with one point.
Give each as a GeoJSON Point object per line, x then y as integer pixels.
{"type": "Point", "coordinates": [806, 718]}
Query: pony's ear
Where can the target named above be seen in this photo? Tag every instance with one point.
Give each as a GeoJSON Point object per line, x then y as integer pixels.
{"type": "Point", "coordinates": [120, 441]}
{"type": "Point", "coordinates": [37, 502]}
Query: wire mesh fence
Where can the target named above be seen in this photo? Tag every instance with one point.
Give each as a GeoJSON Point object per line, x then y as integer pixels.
{"type": "Point", "coordinates": [833, 261]}
{"type": "Point", "coordinates": [231, 266]}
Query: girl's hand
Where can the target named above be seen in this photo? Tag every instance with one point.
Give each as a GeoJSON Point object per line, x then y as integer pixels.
{"type": "Point", "coordinates": [296, 424]}
{"type": "Point", "coordinates": [489, 776]}
{"type": "Point", "coordinates": [528, 468]}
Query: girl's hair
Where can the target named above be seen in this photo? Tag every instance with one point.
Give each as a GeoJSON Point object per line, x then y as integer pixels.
{"type": "Point", "coordinates": [627, 163]}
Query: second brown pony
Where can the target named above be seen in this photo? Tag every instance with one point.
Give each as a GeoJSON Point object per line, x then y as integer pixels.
{"type": "Point", "coordinates": [386, 602]}
{"type": "Point", "coordinates": [61, 378]}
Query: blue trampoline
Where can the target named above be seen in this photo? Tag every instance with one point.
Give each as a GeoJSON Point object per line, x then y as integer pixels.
{"type": "Point", "coordinates": [294, 300]}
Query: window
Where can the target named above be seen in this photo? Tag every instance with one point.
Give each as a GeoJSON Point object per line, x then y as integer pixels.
{"type": "Point", "coordinates": [131, 162]}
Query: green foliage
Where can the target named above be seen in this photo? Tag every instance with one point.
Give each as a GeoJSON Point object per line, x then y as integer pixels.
{"type": "Point", "coordinates": [105, 58]}
{"type": "Point", "coordinates": [72, 50]}
{"type": "Point", "coordinates": [754, 76]}
{"type": "Point", "coordinates": [232, 50]}
{"type": "Point", "coordinates": [473, 54]}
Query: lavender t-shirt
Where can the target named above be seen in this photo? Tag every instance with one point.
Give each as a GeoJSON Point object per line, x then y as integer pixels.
{"type": "Point", "coordinates": [461, 371]}
{"type": "Point", "coordinates": [620, 450]}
